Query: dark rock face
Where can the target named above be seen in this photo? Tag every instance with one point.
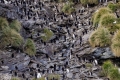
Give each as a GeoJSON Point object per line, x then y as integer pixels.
{"type": "Point", "coordinates": [102, 53]}
{"type": "Point", "coordinates": [8, 11]}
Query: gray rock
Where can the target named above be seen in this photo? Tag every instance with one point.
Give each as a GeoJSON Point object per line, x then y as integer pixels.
{"type": "Point", "coordinates": [5, 67]}
{"type": "Point", "coordinates": [69, 75]}
{"type": "Point", "coordinates": [5, 76]}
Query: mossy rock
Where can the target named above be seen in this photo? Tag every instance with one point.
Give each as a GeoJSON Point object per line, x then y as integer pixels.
{"type": "Point", "coordinates": [54, 76]}
{"type": "Point", "coordinates": [97, 15]}
{"type": "Point", "coordinates": [47, 35]}
{"type": "Point", "coordinates": [116, 44]}
{"type": "Point", "coordinates": [100, 38]}
{"type": "Point", "coordinates": [29, 47]}
{"type": "Point", "coordinates": [16, 25]}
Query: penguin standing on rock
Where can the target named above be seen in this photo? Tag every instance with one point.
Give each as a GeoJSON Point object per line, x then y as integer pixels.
{"type": "Point", "coordinates": [95, 62]}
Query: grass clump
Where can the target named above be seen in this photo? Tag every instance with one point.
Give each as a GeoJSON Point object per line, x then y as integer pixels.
{"type": "Point", "coordinates": [97, 15]}
{"type": "Point", "coordinates": [68, 8]}
{"type": "Point", "coordinates": [16, 25]}
{"type": "Point", "coordinates": [100, 37]}
{"type": "Point", "coordinates": [106, 67]}
{"type": "Point", "coordinates": [107, 20]}
{"type": "Point", "coordinates": [47, 35]}
{"type": "Point", "coordinates": [29, 47]}
{"type": "Point", "coordinates": [42, 78]}
{"type": "Point", "coordinates": [3, 23]}
{"type": "Point", "coordinates": [114, 74]}
{"type": "Point", "coordinates": [88, 65]}
{"type": "Point", "coordinates": [110, 71]}
{"type": "Point", "coordinates": [54, 76]}
{"type": "Point", "coordinates": [10, 37]}
{"type": "Point", "coordinates": [92, 1]}
{"type": "Point", "coordinates": [84, 2]}
{"type": "Point", "coordinates": [15, 78]}
{"type": "Point", "coordinates": [116, 44]}
{"type": "Point", "coordinates": [112, 6]}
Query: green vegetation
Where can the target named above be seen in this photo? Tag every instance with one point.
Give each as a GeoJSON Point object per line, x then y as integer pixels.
{"type": "Point", "coordinates": [85, 2]}
{"type": "Point", "coordinates": [105, 17]}
{"type": "Point", "coordinates": [107, 21]}
{"type": "Point", "coordinates": [116, 44]}
{"type": "Point", "coordinates": [97, 15]}
{"type": "Point", "coordinates": [47, 35]}
{"type": "Point", "coordinates": [110, 71]}
{"type": "Point", "coordinates": [16, 25]}
{"type": "Point", "coordinates": [55, 76]}
{"type": "Point", "coordinates": [92, 1]}
{"type": "Point", "coordinates": [106, 67]}
{"type": "Point", "coordinates": [15, 78]}
{"type": "Point", "coordinates": [114, 74]}
{"type": "Point", "coordinates": [10, 37]}
{"type": "Point", "coordinates": [112, 6]}
{"type": "Point", "coordinates": [42, 78]}
{"type": "Point", "coordinates": [3, 23]}
{"type": "Point", "coordinates": [68, 8]}
{"type": "Point", "coordinates": [100, 37]}
{"type": "Point", "coordinates": [29, 47]}
{"type": "Point", "coordinates": [88, 65]}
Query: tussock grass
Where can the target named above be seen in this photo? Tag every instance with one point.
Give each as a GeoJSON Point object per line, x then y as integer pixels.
{"type": "Point", "coordinates": [68, 8]}
{"type": "Point", "coordinates": [55, 76]}
{"type": "Point", "coordinates": [47, 35]}
{"type": "Point", "coordinates": [97, 15]}
{"type": "Point", "coordinates": [29, 47]}
{"type": "Point", "coordinates": [116, 44]}
{"type": "Point", "coordinates": [16, 25]}
{"type": "Point", "coordinates": [100, 37]}
{"type": "Point", "coordinates": [10, 37]}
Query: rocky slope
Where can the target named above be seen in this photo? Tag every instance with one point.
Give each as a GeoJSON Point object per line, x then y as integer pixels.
{"type": "Point", "coordinates": [66, 54]}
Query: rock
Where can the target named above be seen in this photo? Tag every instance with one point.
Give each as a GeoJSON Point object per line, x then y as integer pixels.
{"type": "Point", "coordinates": [5, 76]}
{"type": "Point", "coordinates": [97, 52]}
{"type": "Point", "coordinates": [94, 69]}
{"type": "Point", "coordinates": [5, 67]}
{"type": "Point", "coordinates": [8, 11]}
{"type": "Point", "coordinates": [69, 75]}
{"type": "Point", "coordinates": [107, 54]}
{"type": "Point", "coordinates": [102, 53]}
{"type": "Point", "coordinates": [50, 65]}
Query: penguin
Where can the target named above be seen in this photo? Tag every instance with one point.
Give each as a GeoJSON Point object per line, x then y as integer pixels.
{"type": "Point", "coordinates": [67, 70]}
{"type": "Point", "coordinates": [114, 22]}
{"type": "Point", "coordinates": [23, 75]}
{"type": "Point", "coordinates": [38, 75]}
